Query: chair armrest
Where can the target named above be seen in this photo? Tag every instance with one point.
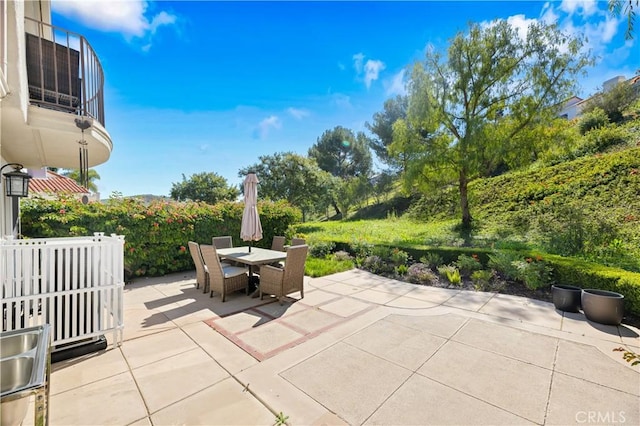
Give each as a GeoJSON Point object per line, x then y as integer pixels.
{"type": "Point", "coordinates": [271, 274]}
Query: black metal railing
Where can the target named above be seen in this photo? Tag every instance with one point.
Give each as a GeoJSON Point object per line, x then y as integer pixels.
{"type": "Point", "coordinates": [63, 71]}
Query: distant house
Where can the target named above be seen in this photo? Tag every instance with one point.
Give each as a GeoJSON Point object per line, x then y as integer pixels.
{"type": "Point", "coordinates": [47, 184]}
{"type": "Point", "coordinates": [573, 106]}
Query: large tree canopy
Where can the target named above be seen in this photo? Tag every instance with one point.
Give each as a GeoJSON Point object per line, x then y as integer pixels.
{"type": "Point", "coordinates": [208, 187]}
{"type": "Point", "coordinates": [482, 104]}
{"type": "Point", "coordinates": [382, 128]}
{"type": "Point", "coordinates": [294, 178]}
{"type": "Point", "coordinates": [343, 154]}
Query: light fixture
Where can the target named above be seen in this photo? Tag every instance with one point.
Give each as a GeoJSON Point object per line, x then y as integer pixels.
{"type": "Point", "coordinates": [16, 182]}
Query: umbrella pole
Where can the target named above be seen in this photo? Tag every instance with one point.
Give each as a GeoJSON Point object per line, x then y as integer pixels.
{"type": "Point", "coordinates": [250, 242]}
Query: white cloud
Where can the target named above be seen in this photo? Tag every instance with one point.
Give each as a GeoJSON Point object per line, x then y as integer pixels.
{"type": "Point", "coordinates": [548, 14]}
{"type": "Point", "coordinates": [582, 7]}
{"type": "Point", "coordinates": [341, 66]}
{"type": "Point", "coordinates": [397, 85]}
{"type": "Point", "coordinates": [369, 71]}
{"type": "Point", "coordinates": [265, 126]}
{"type": "Point", "coordinates": [521, 24]}
{"type": "Point", "coordinates": [372, 70]}
{"type": "Point", "coordinates": [126, 17]}
{"type": "Point", "coordinates": [298, 113]}
{"type": "Point", "coordinates": [341, 100]}
{"type": "Point", "coordinates": [358, 60]}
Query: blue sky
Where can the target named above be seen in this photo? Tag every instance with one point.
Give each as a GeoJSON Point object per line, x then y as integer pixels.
{"type": "Point", "coordinates": [209, 86]}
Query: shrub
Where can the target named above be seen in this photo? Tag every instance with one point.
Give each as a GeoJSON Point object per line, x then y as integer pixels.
{"type": "Point", "coordinates": [468, 264]}
{"type": "Point", "coordinates": [399, 257]}
{"type": "Point", "coordinates": [156, 234]}
{"type": "Point", "coordinates": [451, 273]}
{"type": "Point", "coordinates": [401, 269]}
{"type": "Point", "coordinates": [481, 279]}
{"type": "Point", "coordinates": [361, 248]}
{"type": "Point", "coordinates": [533, 272]}
{"type": "Point", "coordinates": [503, 262]}
{"type": "Point", "coordinates": [376, 265]}
{"type": "Point", "coordinates": [342, 256]}
{"type": "Point", "coordinates": [321, 249]}
{"type": "Point", "coordinates": [432, 259]}
{"type": "Point", "coordinates": [600, 139]}
{"type": "Point", "coordinates": [592, 120]}
{"type": "Point", "coordinates": [420, 273]}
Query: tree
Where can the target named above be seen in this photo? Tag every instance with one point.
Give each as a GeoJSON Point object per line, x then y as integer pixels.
{"type": "Point", "coordinates": [295, 178]}
{"type": "Point", "coordinates": [342, 153]}
{"type": "Point", "coordinates": [613, 102]}
{"type": "Point", "coordinates": [484, 103]}
{"type": "Point", "coordinates": [382, 127]}
{"type": "Point", "coordinates": [627, 7]}
{"type": "Point", "coordinates": [92, 177]}
{"type": "Point", "coordinates": [208, 187]}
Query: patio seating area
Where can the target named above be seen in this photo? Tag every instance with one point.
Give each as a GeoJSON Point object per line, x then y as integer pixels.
{"type": "Point", "coordinates": [357, 349]}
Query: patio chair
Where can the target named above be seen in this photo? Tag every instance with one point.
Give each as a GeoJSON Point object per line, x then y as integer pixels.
{"type": "Point", "coordinates": [280, 282]}
{"type": "Point", "coordinates": [223, 279]}
{"type": "Point", "coordinates": [278, 243]}
{"type": "Point", "coordinates": [202, 274]}
{"type": "Point", "coordinates": [298, 242]}
{"type": "Point", "coordinates": [222, 242]}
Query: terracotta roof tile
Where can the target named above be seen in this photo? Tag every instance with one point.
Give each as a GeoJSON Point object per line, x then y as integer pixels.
{"type": "Point", "coordinates": [55, 183]}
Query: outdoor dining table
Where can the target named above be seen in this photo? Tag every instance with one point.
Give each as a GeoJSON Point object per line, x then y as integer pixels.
{"type": "Point", "coordinates": [256, 257]}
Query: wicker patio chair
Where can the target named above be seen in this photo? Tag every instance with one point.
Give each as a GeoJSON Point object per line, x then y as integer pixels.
{"type": "Point", "coordinates": [223, 279]}
{"type": "Point", "coordinates": [202, 274]}
{"type": "Point", "coordinates": [278, 243]}
{"type": "Point", "coordinates": [298, 241]}
{"type": "Point", "coordinates": [222, 242]}
{"type": "Point", "coordinates": [280, 282]}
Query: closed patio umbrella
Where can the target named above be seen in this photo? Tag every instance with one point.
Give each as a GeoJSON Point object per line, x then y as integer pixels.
{"type": "Point", "coordinates": [251, 229]}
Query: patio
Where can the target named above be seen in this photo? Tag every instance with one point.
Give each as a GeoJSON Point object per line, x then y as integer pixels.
{"type": "Point", "coordinates": [358, 349]}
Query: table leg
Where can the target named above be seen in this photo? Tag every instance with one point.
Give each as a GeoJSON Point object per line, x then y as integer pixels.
{"type": "Point", "coordinates": [256, 292]}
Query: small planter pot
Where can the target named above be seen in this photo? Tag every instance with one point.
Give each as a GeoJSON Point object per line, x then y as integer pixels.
{"type": "Point", "coordinates": [604, 307]}
{"type": "Point", "coordinates": [566, 297]}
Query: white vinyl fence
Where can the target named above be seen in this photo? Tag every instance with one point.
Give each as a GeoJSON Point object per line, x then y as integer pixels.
{"type": "Point", "coordinates": [74, 284]}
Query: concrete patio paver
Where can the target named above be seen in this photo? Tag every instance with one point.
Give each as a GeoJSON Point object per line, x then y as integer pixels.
{"type": "Point", "coordinates": [588, 363]}
{"type": "Point", "coordinates": [174, 378]}
{"type": "Point", "coordinates": [335, 379]}
{"type": "Point", "coordinates": [576, 401]}
{"type": "Point", "coordinates": [139, 352]}
{"type": "Point", "coordinates": [525, 346]}
{"type": "Point", "coordinates": [423, 401]}
{"type": "Point", "coordinates": [357, 349]}
{"type": "Point", "coordinates": [111, 401]}
{"type": "Point", "coordinates": [523, 388]}
{"type": "Point", "coordinates": [438, 325]}
{"type": "Point", "coordinates": [402, 345]}
{"type": "Point", "coordinates": [224, 403]}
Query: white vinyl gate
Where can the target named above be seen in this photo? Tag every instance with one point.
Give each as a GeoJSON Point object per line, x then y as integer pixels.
{"type": "Point", "coordinates": [74, 284]}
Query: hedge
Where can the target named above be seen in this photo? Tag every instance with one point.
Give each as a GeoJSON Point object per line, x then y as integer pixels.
{"type": "Point", "coordinates": [156, 234]}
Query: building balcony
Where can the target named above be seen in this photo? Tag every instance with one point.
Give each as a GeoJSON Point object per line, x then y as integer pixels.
{"type": "Point", "coordinates": [57, 101]}
{"type": "Point", "coordinates": [64, 72]}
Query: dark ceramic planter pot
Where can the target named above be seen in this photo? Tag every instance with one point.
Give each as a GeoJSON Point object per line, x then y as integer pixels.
{"type": "Point", "coordinates": [604, 307]}
{"type": "Point", "coordinates": [566, 297]}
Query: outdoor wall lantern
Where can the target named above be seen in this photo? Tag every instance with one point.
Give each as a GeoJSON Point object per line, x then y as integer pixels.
{"type": "Point", "coordinates": [16, 182]}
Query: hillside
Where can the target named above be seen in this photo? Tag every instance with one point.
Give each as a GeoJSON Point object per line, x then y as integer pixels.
{"type": "Point", "coordinates": [588, 207]}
